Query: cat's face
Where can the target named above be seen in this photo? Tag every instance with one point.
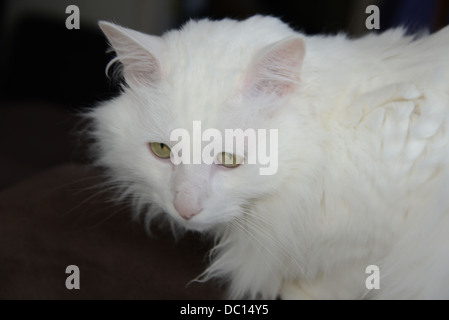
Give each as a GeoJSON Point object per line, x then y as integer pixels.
{"type": "Point", "coordinates": [170, 89]}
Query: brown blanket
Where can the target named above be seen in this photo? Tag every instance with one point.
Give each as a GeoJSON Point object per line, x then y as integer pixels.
{"type": "Point", "coordinates": [57, 218]}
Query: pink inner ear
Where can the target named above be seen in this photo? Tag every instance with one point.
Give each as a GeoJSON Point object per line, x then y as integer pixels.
{"type": "Point", "coordinates": [137, 52]}
{"type": "Point", "coordinates": [142, 68]}
{"type": "Point", "coordinates": [276, 69]}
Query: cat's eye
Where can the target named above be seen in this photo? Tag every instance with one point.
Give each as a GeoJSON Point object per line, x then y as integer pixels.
{"type": "Point", "coordinates": [160, 149]}
{"type": "Point", "coordinates": [229, 160]}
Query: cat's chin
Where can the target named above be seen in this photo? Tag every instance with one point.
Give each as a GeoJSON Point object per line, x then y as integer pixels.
{"type": "Point", "coordinates": [197, 227]}
{"type": "Point", "coordinates": [198, 223]}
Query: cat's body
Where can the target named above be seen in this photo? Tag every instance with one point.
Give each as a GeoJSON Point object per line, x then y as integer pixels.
{"type": "Point", "coordinates": [363, 171]}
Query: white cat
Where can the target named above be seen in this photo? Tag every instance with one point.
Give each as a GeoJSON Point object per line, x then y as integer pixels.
{"type": "Point", "coordinates": [363, 175]}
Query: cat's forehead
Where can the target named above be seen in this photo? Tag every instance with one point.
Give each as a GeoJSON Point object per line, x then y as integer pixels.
{"type": "Point", "coordinates": [225, 44]}
{"type": "Point", "coordinates": [206, 62]}
{"type": "Point", "coordinates": [227, 32]}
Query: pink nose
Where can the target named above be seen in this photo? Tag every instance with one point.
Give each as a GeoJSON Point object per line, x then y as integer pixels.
{"type": "Point", "coordinates": [185, 206]}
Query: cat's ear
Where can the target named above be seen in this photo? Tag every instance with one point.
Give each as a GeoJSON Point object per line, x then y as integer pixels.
{"type": "Point", "coordinates": [276, 68]}
{"type": "Point", "coordinates": [139, 53]}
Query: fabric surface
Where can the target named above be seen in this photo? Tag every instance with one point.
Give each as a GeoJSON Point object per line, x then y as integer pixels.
{"type": "Point", "coordinates": [59, 218]}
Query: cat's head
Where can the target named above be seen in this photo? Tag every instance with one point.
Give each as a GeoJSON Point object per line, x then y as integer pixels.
{"type": "Point", "coordinates": [208, 75]}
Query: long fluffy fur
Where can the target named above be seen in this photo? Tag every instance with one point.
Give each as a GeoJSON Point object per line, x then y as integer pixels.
{"type": "Point", "coordinates": [363, 159]}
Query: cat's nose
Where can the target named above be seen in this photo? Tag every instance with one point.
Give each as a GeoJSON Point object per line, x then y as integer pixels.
{"type": "Point", "coordinates": [186, 206]}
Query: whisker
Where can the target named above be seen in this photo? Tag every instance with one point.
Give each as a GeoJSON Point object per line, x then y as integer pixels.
{"type": "Point", "coordinates": [254, 228]}
{"type": "Point", "coordinates": [71, 183]}
{"type": "Point", "coordinates": [255, 238]}
{"type": "Point", "coordinates": [251, 218]}
{"type": "Point", "coordinates": [107, 218]}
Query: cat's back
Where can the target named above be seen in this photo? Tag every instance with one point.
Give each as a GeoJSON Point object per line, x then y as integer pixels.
{"type": "Point", "coordinates": [410, 57]}
{"type": "Point", "coordinates": [387, 105]}
{"type": "Point", "coordinates": [391, 116]}
{"type": "Point", "coordinates": [407, 100]}
{"type": "Point", "coordinates": [225, 44]}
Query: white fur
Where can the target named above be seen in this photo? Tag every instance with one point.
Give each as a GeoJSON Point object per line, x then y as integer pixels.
{"type": "Point", "coordinates": [363, 158]}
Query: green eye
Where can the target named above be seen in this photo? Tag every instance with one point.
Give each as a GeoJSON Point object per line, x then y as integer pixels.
{"type": "Point", "coordinates": [159, 149]}
{"type": "Point", "coordinates": [229, 160]}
